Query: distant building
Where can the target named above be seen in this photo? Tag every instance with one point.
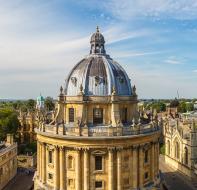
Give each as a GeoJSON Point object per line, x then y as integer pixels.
{"type": "Point", "coordinates": [27, 161]}
{"type": "Point", "coordinates": [195, 105]}
{"type": "Point", "coordinates": [28, 122]}
{"type": "Point", "coordinates": [40, 103]}
{"type": "Point", "coordinates": [180, 136]}
{"type": "Point", "coordinates": [97, 140]}
{"type": "Point", "coordinates": [8, 160]}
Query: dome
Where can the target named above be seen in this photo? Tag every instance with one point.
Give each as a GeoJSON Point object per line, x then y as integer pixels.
{"type": "Point", "coordinates": [98, 74]}
{"type": "Point", "coordinates": [97, 37]}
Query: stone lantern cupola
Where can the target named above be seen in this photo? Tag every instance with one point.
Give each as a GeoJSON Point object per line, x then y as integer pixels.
{"type": "Point", "coordinates": [97, 42]}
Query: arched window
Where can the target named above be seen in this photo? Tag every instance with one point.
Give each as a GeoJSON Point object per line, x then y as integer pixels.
{"type": "Point", "coordinates": [177, 150]}
{"type": "Point", "coordinates": [70, 162]}
{"type": "Point", "coordinates": [186, 155]}
{"type": "Point", "coordinates": [50, 157]}
{"type": "Point", "coordinates": [124, 115]}
{"type": "Point", "coordinates": [97, 115]}
{"type": "Point", "coordinates": [146, 156]}
{"type": "Point", "coordinates": [98, 163]}
{"type": "Point", "coordinates": [71, 114]}
{"type": "Point", "coordinates": [168, 148]}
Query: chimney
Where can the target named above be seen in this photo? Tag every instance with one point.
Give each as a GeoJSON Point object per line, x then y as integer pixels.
{"type": "Point", "coordinates": [10, 139]}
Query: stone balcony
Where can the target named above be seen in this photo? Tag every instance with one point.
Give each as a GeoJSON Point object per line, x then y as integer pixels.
{"type": "Point", "coordinates": [98, 131]}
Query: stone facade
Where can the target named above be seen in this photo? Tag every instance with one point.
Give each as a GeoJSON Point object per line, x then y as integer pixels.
{"type": "Point", "coordinates": [28, 122]}
{"type": "Point", "coordinates": [27, 161]}
{"type": "Point", "coordinates": [180, 134]}
{"type": "Point", "coordinates": [8, 161]}
{"type": "Point", "coordinates": [97, 140]}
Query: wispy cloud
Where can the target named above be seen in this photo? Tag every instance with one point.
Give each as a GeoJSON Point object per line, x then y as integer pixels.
{"type": "Point", "coordinates": [174, 61]}
{"type": "Point", "coordinates": [195, 71]}
{"type": "Point", "coordinates": [134, 54]}
{"type": "Point", "coordinates": [179, 9]}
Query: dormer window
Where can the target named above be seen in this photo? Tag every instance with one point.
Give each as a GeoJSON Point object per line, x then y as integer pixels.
{"type": "Point", "coordinates": [74, 81]}
{"type": "Point", "coordinates": [121, 79]}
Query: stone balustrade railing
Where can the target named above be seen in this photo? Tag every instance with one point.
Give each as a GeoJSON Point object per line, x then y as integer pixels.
{"type": "Point", "coordinates": [98, 131]}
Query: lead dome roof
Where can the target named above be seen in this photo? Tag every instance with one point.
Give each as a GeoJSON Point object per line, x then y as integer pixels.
{"type": "Point", "coordinates": [97, 74]}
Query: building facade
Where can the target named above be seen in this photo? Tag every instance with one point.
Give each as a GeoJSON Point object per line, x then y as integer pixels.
{"type": "Point", "coordinates": [28, 122]}
{"type": "Point", "coordinates": [180, 134]}
{"type": "Point", "coordinates": [97, 140]}
{"type": "Point", "coordinates": [8, 161]}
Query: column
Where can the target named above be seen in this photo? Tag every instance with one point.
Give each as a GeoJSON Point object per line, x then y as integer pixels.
{"type": "Point", "coordinates": [62, 168]}
{"type": "Point", "coordinates": [119, 170]}
{"type": "Point", "coordinates": [110, 170]}
{"type": "Point", "coordinates": [43, 163]}
{"type": "Point", "coordinates": [78, 171]}
{"type": "Point", "coordinates": [141, 166]}
{"type": "Point", "coordinates": [157, 157]}
{"type": "Point", "coordinates": [56, 168]}
{"type": "Point", "coordinates": [135, 167]}
{"type": "Point", "coordinates": [86, 169]}
{"type": "Point", "coordinates": [152, 162]}
{"type": "Point", "coordinates": [38, 158]}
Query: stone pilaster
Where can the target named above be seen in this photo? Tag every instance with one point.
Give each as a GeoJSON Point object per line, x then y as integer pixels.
{"type": "Point", "coordinates": [86, 169]}
{"type": "Point", "coordinates": [56, 168]}
{"type": "Point", "coordinates": [78, 170]}
{"type": "Point", "coordinates": [152, 162]}
{"type": "Point", "coordinates": [62, 168]}
{"type": "Point", "coordinates": [38, 159]}
{"type": "Point", "coordinates": [110, 169]}
{"type": "Point", "coordinates": [119, 169]}
{"type": "Point", "coordinates": [135, 171]}
{"type": "Point", "coordinates": [157, 157]}
{"type": "Point", "coordinates": [141, 166]}
{"type": "Point", "coordinates": [43, 160]}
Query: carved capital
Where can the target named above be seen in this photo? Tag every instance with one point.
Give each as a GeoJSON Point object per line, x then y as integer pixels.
{"type": "Point", "coordinates": [120, 148]}
{"type": "Point", "coordinates": [62, 148]}
{"type": "Point", "coordinates": [111, 149]}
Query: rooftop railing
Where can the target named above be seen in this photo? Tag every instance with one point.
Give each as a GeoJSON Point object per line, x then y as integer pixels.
{"type": "Point", "coordinates": [99, 131]}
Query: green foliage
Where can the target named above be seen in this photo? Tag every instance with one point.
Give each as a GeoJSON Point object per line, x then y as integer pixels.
{"type": "Point", "coordinates": [185, 106]}
{"type": "Point", "coordinates": [162, 149]}
{"type": "Point", "coordinates": [190, 106]}
{"type": "Point", "coordinates": [30, 104]}
{"type": "Point", "coordinates": [49, 103]}
{"type": "Point", "coordinates": [30, 148]}
{"type": "Point", "coordinates": [9, 122]}
{"type": "Point", "coordinates": [159, 106]}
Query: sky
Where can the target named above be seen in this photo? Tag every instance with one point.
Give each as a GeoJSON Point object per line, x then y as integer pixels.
{"type": "Point", "coordinates": [154, 40]}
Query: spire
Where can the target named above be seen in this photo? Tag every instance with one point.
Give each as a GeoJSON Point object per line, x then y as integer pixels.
{"type": "Point", "coordinates": [97, 42]}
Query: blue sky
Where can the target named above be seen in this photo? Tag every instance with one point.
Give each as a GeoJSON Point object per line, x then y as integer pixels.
{"type": "Point", "coordinates": [154, 40]}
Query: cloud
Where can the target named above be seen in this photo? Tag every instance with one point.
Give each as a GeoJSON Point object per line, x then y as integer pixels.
{"type": "Point", "coordinates": [134, 54]}
{"type": "Point", "coordinates": [195, 71]}
{"type": "Point", "coordinates": [173, 62]}
{"type": "Point", "coordinates": [179, 9]}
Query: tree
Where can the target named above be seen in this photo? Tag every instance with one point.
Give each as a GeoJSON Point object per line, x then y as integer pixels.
{"type": "Point", "coordinates": [182, 107]}
{"type": "Point", "coordinates": [49, 103]}
{"type": "Point", "coordinates": [9, 122]}
{"type": "Point", "coordinates": [189, 106]}
{"type": "Point", "coordinates": [31, 104]}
